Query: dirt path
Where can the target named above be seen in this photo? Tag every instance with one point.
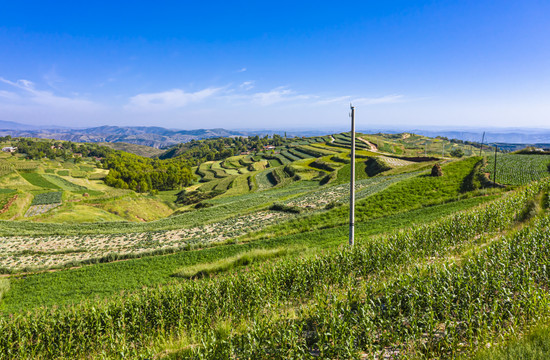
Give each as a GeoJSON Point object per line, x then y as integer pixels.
{"type": "Point", "coordinates": [371, 145]}
{"type": "Point", "coordinates": [331, 139]}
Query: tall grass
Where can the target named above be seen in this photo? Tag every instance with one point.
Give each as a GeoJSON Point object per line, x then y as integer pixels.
{"type": "Point", "coordinates": [4, 286]}
{"type": "Point", "coordinates": [233, 262]}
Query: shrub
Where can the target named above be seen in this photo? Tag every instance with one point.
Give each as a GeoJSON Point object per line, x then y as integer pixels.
{"type": "Point", "coordinates": [458, 153]}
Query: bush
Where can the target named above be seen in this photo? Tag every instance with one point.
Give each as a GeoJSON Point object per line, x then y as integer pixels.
{"type": "Point", "coordinates": [375, 166]}
{"type": "Point", "coordinates": [285, 208]}
{"type": "Point", "coordinates": [458, 153]}
{"type": "Point", "coordinates": [185, 197]}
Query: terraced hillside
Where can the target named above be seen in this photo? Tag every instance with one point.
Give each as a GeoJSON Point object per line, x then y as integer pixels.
{"type": "Point", "coordinates": [253, 263]}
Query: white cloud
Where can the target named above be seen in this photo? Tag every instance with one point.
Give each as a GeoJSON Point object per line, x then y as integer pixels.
{"type": "Point", "coordinates": [388, 99]}
{"type": "Point", "coordinates": [8, 95]}
{"type": "Point", "coordinates": [45, 98]}
{"type": "Point", "coordinates": [247, 85]}
{"type": "Point", "coordinates": [277, 95]}
{"type": "Point", "coordinates": [170, 99]}
{"type": "Point", "coordinates": [242, 70]}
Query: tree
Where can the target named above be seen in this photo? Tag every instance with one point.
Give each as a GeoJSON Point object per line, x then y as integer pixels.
{"type": "Point", "coordinates": [458, 153]}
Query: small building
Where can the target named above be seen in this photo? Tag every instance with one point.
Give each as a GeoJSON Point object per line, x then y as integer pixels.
{"type": "Point", "coordinates": [79, 155]}
{"type": "Point", "coordinates": [9, 149]}
{"type": "Point", "coordinates": [269, 147]}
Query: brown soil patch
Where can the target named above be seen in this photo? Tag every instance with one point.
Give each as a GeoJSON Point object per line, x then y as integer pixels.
{"type": "Point", "coordinates": [8, 204]}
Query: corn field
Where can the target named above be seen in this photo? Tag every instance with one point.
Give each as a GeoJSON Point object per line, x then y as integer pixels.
{"type": "Point", "coordinates": [412, 292]}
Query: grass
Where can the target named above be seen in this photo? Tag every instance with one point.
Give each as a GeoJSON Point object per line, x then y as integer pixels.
{"type": "Point", "coordinates": [412, 193]}
{"type": "Point", "coordinates": [4, 286]}
{"type": "Point", "coordinates": [63, 183]}
{"type": "Point", "coordinates": [105, 280]}
{"type": "Point", "coordinates": [233, 262]}
{"type": "Point", "coordinates": [533, 346]}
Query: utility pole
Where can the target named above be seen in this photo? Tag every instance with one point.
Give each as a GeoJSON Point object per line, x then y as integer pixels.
{"type": "Point", "coordinates": [495, 171]}
{"type": "Point", "coordinates": [482, 140]}
{"type": "Point", "coordinates": [352, 181]}
{"type": "Point", "coordinates": [426, 149]}
{"type": "Point", "coordinates": [443, 150]}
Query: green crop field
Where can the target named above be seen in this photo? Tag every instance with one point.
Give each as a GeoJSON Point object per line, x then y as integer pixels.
{"type": "Point", "coordinates": [515, 169]}
{"type": "Point", "coordinates": [250, 260]}
{"type": "Point", "coordinates": [47, 198]}
{"type": "Point", "coordinates": [38, 180]}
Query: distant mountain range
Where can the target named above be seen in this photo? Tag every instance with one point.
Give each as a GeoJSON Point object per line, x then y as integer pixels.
{"type": "Point", "coordinates": [156, 137]}
{"type": "Point", "coordinates": [159, 137]}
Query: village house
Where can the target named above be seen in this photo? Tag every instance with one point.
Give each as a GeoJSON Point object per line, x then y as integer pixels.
{"type": "Point", "coordinates": [9, 149]}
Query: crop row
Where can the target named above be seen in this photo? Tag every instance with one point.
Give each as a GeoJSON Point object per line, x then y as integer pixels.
{"type": "Point", "coordinates": [128, 324]}
{"type": "Point", "coordinates": [53, 197]}
{"type": "Point", "coordinates": [518, 169]}
{"type": "Point", "coordinates": [440, 311]}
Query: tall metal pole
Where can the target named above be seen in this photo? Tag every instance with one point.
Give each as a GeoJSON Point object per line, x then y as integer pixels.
{"type": "Point", "coordinates": [352, 182]}
{"type": "Point", "coordinates": [482, 140]}
{"type": "Point", "coordinates": [495, 171]}
{"type": "Point", "coordinates": [443, 150]}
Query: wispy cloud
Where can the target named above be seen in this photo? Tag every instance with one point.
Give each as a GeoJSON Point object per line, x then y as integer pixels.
{"type": "Point", "coordinates": [247, 85]}
{"type": "Point", "coordinates": [387, 99]}
{"type": "Point", "coordinates": [278, 95]}
{"type": "Point", "coordinates": [242, 69]}
{"type": "Point", "coordinates": [170, 99]}
{"type": "Point", "coordinates": [8, 95]}
{"type": "Point", "coordinates": [29, 93]}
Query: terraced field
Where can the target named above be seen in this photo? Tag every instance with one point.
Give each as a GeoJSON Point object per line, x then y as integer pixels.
{"type": "Point", "coordinates": [258, 268]}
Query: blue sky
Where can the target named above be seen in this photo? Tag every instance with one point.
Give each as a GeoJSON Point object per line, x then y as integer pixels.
{"type": "Point", "coordinates": [280, 64]}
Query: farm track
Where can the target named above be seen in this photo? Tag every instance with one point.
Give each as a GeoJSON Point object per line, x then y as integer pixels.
{"type": "Point", "coordinates": [373, 147]}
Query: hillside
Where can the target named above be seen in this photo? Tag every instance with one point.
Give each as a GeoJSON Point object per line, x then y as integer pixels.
{"type": "Point", "coordinates": [252, 261]}
{"type": "Point", "coordinates": [141, 150]}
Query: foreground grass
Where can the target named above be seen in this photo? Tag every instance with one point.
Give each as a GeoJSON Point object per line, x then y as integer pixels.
{"type": "Point", "coordinates": [233, 262]}
{"type": "Point", "coordinates": [534, 345]}
{"type": "Point", "coordinates": [105, 280]}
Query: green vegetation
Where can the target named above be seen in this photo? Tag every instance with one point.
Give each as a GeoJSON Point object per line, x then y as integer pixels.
{"type": "Point", "coordinates": [63, 287]}
{"type": "Point", "coordinates": [38, 180]}
{"type": "Point", "coordinates": [47, 198]}
{"type": "Point", "coordinates": [243, 259]}
{"type": "Point", "coordinates": [128, 171]}
{"type": "Point", "coordinates": [4, 286]}
{"type": "Point", "coordinates": [535, 345]}
{"type": "Point", "coordinates": [141, 150]}
{"type": "Point", "coordinates": [248, 259]}
{"type": "Point", "coordinates": [515, 169]}
{"type": "Point", "coordinates": [254, 299]}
